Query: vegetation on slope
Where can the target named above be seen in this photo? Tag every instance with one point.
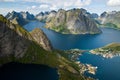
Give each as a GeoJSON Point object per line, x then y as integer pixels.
{"type": "Point", "coordinates": [113, 47]}
{"type": "Point", "coordinates": [35, 54]}
{"type": "Point", "coordinates": [108, 51]}
{"type": "Point", "coordinates": [110, 19]}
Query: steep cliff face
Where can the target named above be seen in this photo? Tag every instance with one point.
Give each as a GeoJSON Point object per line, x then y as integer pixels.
{"type": "Point", "coordinates": [75, 21]}
{"type": "Point", "coordinates": [110, 19]}
{"type": "Point", "coordinates": [41, 39]}
{"type": "Point", "coordinates": [12, 39]}
{"type": "Point", "coordinates": [20, 18]}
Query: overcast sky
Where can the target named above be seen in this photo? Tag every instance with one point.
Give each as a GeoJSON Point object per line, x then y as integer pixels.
{"type": "Point", "coordinates": [35, 6]}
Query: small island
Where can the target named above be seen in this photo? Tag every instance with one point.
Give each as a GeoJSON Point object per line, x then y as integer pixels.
{"type": "Point", "coordinates": [109, 51]}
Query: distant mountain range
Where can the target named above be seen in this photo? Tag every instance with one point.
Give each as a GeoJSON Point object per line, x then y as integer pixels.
{"type": "Point", "coordinates": [74, 21]}
{"type": "Point", "coordinates": [110, 19]}
{"type": "Point", "coordinates": [20, 18]}
{"type": "Point", "coordinates": [46, 16]}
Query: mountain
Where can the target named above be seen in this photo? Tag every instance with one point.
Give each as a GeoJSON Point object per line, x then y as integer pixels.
{"type": "Point", "coordinates": [42, 16]}
{"type": "Point", "coordinates": [41, 39]}
{"type": "Point", "coordinates": [18, 45]}
{"type": "Point", "coordinates": [20, 18]}
{"type": "Point", "coordinates": [88, 14]}
{"type": "Point", "coordinates": [94, 15]}
{"type": "Point", "coordinates": [45, 16]}
{"type": "Point", "coordinates": [15, 40]}
{"type": "Point", "coordinates": [74, 21]}
{"type": "Point", "coordinates": [110, 19]}
{"type": "Point", "coordinates": [10, 42]}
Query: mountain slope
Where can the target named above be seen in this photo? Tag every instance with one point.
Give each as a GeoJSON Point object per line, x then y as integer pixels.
{"type": "Point", "coordinates": [74, 21]}
{"type": "Point", "coordinates": [17, 45]}
{"type": "Point", "coordinates": [41, 39]}
{"type": "Point", "coordinates": [110, 19]}
{"type": "Point", "coordinates": [10, 42]}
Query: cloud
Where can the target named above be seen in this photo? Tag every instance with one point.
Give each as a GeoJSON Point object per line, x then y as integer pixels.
{"type": "Point", "coordinates": [56, 4]}
{"type": "Point", "coordinates": [7, 0]}
{"type": "Point", "coordinates": [33, 7]}
{"type": "Point", "coordinates": [113, 3]}
{"type": "Point", "coordinates": [44, 6]}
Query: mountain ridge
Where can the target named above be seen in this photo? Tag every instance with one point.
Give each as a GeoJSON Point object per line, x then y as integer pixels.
{"type": "Point", "coordinates": [74, 21]}
{"type": "Point", "coordinates": [17, 45]}
{"type": "Point", "coordinates": [110, 19]}
{"type": "Point", "coordinates": [20, 18]}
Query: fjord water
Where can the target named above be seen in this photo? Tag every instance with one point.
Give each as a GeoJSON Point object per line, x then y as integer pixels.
{"type": "Point", "coordinates": [108, 69]}
{"type": "Point", "coordinates": [18, 71]}
{"type": "Point", "coordinates": [69, 41]}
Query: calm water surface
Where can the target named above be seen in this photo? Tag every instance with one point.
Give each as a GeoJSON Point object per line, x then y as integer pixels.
{"type": "Point", "coordinates": [108, 69]}
{"type": "Point", "coordinates": [18, 71]}
{"type": "Point", "coordinates": [69, 41]}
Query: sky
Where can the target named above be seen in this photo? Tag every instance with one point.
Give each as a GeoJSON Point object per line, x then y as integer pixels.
{"type": "Point", "coordinates": [36, 6]}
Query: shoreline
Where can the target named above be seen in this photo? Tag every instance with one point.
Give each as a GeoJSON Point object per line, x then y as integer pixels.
{"type": "Point", "coordinates": [74, 55]}
{"type": "Point", "coordinates": [105, 54]}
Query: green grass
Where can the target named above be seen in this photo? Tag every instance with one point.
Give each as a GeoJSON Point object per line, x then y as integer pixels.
{"type": "Point", "coordinates": [113, 46]}
{"type": "Point", "coordinates": [111, 25]}
{"type": "Point", "coordinates": [37, 55]}
{"type": "Point", "coordinates": [61, 28]}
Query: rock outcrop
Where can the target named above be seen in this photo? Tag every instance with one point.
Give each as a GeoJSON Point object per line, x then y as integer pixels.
{"type": "Point", "coordinates": [74, 21]}
{"type": "Point", "coordinates": [41, 39]}
{"type": "Point", "coordinates": [20, 18]}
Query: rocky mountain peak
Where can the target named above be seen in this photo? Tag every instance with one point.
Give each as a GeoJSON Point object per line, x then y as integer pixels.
{"type": "Point", "coordinates": [41, 39]}
{"type": "Point", "coordinates": [74, 21]}
{"type": "Point", "coordinates": [104, 14]}
{"type": "Point", "coordinates": [20, 18]}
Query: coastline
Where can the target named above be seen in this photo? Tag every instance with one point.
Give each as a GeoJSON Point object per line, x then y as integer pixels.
{"type": "Point", "coordinates": [74, 54]}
